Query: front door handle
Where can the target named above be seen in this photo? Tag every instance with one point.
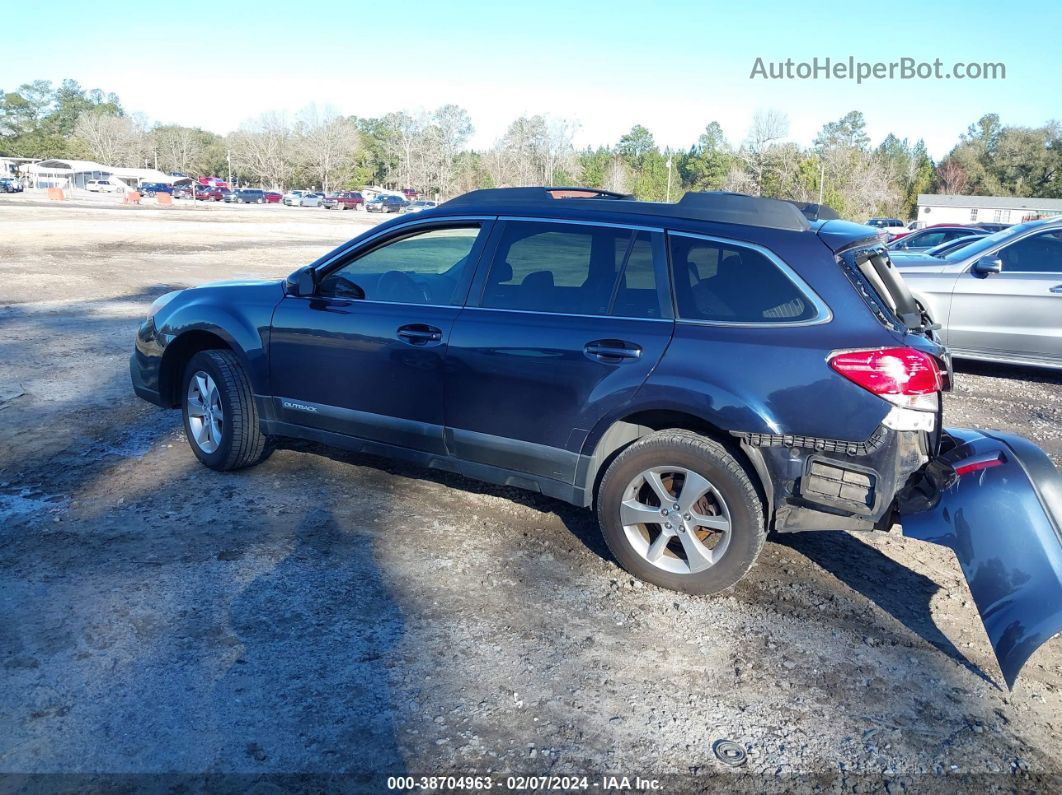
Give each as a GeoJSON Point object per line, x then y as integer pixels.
{"type": "Point", "coordinates": [1057, 288]}
{"type": "Point", "coordinates": [613, 351]}
{"type": "Point", "coordinates": [419, 334]}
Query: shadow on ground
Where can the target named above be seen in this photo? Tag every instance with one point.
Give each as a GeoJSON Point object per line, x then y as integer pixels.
{"type": "Point", "coordinates": [896, 589]}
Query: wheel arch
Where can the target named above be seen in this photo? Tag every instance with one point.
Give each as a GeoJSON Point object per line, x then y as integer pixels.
{"type": "Point", "coordinates": [177, 354]}
{"type": "Point", "coordinates": [617, 435]}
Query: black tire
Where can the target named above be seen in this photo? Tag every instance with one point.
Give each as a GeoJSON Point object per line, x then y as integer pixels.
{"type": "Point", "coordinates": [242, 442]}
{"type": "Point", "coordinates": [710, 460]}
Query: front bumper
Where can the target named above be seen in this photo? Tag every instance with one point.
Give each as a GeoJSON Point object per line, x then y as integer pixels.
{"type": "Point", "coordinates": [139, 374]}
{"type": "Point", "coordinates": [996, 500]}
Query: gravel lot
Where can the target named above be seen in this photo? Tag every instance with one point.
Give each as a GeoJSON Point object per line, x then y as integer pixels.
{"type": "Point", "coordinates": [334, 613]}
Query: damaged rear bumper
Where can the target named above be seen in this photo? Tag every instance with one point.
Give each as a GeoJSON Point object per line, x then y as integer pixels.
{"type": "Point", "coordinates": [996, 500]}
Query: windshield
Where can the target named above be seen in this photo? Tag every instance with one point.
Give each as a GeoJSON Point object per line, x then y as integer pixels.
{"type": "Point", "coordinates": [983, 244]}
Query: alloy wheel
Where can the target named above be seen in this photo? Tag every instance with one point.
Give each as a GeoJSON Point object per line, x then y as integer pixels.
{"type": "Point", "coordinates": [675, 519]}
{"type": "Point", "coordinates": [206, 418]}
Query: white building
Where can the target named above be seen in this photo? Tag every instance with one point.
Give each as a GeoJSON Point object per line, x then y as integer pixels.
{"type": "Point", "coordinates": [77, 173]}
{"type": "Point", "coordinates": [939, 208]}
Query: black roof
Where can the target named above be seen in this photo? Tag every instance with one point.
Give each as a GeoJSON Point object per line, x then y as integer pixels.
{"type": "Point", "coordinates": [718, 207]}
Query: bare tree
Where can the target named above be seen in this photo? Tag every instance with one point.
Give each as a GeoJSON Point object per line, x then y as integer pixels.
{"type": "Point", "coordinates": [263, 148]}
{"type": "Point", "coordinates": [179, 148]}
{"type": "Point", "coordinates": [326, 145]}
{"type": "Point", "coordinates": [951, 176]}
{"type": "Point", "coordinates": [768, 128]}
{"type": "Point", "coordinates": [618, 178]}
{"type": "Point", "coordinates": [533, 151]}
{"type": "Point", "coordinates": [111, 140]}
{"type": "Point", "coordinates": [559, 152]}
{"type": "Point", "coordinates": [451, 127]}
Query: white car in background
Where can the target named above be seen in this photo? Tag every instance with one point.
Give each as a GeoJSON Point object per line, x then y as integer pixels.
{"type": "Point", "coordinates": [293, 197]}
{"type": "Point", "coordinates": [100, 186]}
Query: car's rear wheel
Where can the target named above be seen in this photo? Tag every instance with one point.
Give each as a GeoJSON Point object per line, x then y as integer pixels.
{"type": "Point", "coordinates": [220, 417]}
{"type": "Point", "coordinates": [679, 511]}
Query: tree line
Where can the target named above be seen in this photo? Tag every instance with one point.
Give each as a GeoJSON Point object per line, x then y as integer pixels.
{"type": "Point", "coordinates": [429, 151]}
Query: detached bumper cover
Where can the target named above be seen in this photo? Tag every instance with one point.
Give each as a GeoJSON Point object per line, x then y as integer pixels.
{"type": "Point", "coordinates": [996, 500]}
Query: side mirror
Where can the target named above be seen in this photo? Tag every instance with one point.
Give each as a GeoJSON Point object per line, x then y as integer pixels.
{"type": "Point", "coordinates": [303, 281]}
{"type": "Point", "coordinates": [986, 266]}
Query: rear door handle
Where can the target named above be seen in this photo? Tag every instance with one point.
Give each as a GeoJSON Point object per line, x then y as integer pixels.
{"type": "Point", "coordinates": [419, 334]}
{"type": "Point", "coordinates": [1057, 288]}
{"type": "Point", "coordinates": [613, 350]}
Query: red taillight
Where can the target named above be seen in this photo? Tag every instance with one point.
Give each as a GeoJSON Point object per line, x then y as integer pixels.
{"type": "Point", "coordinates": [904, 376]}
{"type": "Point", "coordinates": [977, 464]}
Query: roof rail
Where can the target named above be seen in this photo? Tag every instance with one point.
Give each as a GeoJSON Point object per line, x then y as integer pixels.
{"type": "Point", "coordinates": [816, 212]}
{"type": "Point", "coordinates": [534, 194]}
{"type": "Point", "coordinates": [719, 207]}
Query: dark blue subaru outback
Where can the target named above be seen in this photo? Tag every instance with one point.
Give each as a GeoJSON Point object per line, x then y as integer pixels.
{"type": "Point", "coordinates": [700, 373]}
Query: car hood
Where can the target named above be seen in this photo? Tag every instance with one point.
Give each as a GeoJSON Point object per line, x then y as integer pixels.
{"type": "Point", "coordinates": [240, 283]}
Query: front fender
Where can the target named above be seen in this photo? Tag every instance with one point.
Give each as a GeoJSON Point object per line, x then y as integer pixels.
{"type": "Point", "coordinates": [239, 314]}
{"type": "Point", "coordinates": [996, 500]}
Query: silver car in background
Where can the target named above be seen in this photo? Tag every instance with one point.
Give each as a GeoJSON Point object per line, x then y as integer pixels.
{"type": "Point", "coordinates": [418, 206]}
{"type": "Point", "coordinates": [998, 298]}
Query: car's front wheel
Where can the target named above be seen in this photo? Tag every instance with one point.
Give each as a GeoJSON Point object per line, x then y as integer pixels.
{"type": "Point", "coordinates": [220, 417]}
{"type": "Point", "coordinates": [679, 511]}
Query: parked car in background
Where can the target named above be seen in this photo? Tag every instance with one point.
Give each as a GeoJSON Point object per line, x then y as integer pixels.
{"type": "Point", "coordinates": [151, 188]}
{"type": "Point", "coordinates": [915, 225]}
{"type": "Point", "coordinates": [990, 226]}
{"type": "Point", "coordinates": [211, 193]}
{"type": "Point", "coordinates": [417, 206]}
{"type": "Point", "coordinates": [183, 192]}
{"type": "Point", "coordinates": [576, 368]}
{"type": "Point", "coordinates": [10, 185]}
{"type": "Point", "coordinates": [998, 298]}
{"type": "Point", "coordinates": [888, 228]}
{"type": "Point", "coordinates": [246, 196]}
{"type": "Point", "coordinates": [951, 245]}
{"type": "Point", "coordinates": [346, 200]}
{"type": "Point", "coordinates": [311, 200]}
{"type": "Point", "coordinates": [100, 186]}
{"type": "Point", "coordinates": [293, 197]}
{"type": "Point", "coordinates": [932, 236]}
{"type": "Point", "coordinates": [273, 197]}
{"type": "Point", "coordinates": [410, 193]}
{"type": "Point", "coordinates": [387, 203]}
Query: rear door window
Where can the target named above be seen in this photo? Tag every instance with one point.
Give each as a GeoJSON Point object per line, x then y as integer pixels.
{"type": "Point", "coordinates": [573, 269]}
{"type": "Point", "coordinates": [729, 283]}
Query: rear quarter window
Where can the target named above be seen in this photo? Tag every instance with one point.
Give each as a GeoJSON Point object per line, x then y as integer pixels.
{"type": "Point", "coordinates": [723, 283]}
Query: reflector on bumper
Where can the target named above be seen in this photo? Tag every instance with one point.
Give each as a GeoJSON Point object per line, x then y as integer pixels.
{"type": "Point", "coordinates": [996, 500]}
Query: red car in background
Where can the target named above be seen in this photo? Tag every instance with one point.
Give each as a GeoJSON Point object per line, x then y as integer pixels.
{"type": "Point", "coordinates": [347, 200]}
{"type": "Point", "coordinates": [209, 193]}
{"type": "Point", "coordinates": [272, 197]}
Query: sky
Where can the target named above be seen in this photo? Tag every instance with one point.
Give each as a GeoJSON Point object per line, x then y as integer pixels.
{"type": "Point", "coordinates": [670, 66]}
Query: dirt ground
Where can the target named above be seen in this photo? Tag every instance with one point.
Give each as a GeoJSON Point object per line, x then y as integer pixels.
{"type": "Point", "coordinates": [334, 613]}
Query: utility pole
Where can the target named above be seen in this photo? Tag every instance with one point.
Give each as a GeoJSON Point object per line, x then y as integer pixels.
{"type": "Point", "coordinates": [228, 157]}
